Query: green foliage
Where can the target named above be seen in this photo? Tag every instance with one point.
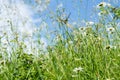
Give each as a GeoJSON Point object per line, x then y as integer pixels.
{"type": "Point", "coordinates": [91, 52]}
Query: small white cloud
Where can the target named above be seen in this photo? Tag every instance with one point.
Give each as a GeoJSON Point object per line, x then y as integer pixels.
{"type": "Point", "coordinates": [24, 9]}
{"type": "Point", "coordinates": [18, 13]}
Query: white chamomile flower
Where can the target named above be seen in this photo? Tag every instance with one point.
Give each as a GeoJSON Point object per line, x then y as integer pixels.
{"type": "Point", "coordinates": [111, 30]}
{"type": "Point", "coordinates": [101, 13]}
{"type": "Point", "coordinates": [90, 23]}
{"type": "Point", "coordinates": [103, 4]}
{"type": "Point", "coordinates": [81, 28]}
{"type": "Point", "coordinates": [78, 69]}
{"type": "Point", "coordinates": [110, 47]}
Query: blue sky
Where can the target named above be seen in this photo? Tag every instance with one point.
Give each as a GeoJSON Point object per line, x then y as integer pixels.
{"type": "Point", "coordinates": [79, 9]}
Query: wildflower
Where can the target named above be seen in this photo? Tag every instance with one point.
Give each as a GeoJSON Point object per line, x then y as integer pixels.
{"type": "Point", "coordinates": [81, 28]}
{"type": "Point", "coordinates": [78, 69]}
{"type": "Point", "coordinates": [90, 23]}
{"type": "Point", "coordinates": [104, 12]}
{"type": "Point", "coordinates": [103, 4]}
{"type": "Point", "coordinates": [111, 30]}
{"type": "Point", "coordinates": [110, 47]}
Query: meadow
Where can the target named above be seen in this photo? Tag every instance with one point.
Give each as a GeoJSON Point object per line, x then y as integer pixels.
{"type": "Point", "coordinates": [89, 52]}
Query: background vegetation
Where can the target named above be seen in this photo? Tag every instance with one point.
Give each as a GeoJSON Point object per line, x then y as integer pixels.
{"type": "Point", "coordinates": [76, 52]}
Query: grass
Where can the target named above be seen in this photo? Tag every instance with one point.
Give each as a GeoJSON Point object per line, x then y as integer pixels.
{"type": "Point", "coordinates": [82, 53]}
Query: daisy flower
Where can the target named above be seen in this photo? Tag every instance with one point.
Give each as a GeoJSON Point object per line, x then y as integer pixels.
{"type": "Point", "coordinates": [78, 69]}
{"type": "Point", "coordinates": [103, 4]}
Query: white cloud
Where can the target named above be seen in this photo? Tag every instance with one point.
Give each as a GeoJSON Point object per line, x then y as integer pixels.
{"type": "Point", "coordinates": [20, 15]}
{"type": "Point", "coordinates": [24, 10]}
{"type": "Point", "coordinates": [16, 12]}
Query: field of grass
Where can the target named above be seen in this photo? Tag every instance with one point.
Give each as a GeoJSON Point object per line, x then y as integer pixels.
{"type": "Point", "coordinates": [91, 52]}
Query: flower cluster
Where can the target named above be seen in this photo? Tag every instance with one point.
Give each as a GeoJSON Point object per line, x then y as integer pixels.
{"type": "Point", "coordinates": [104, 8]}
